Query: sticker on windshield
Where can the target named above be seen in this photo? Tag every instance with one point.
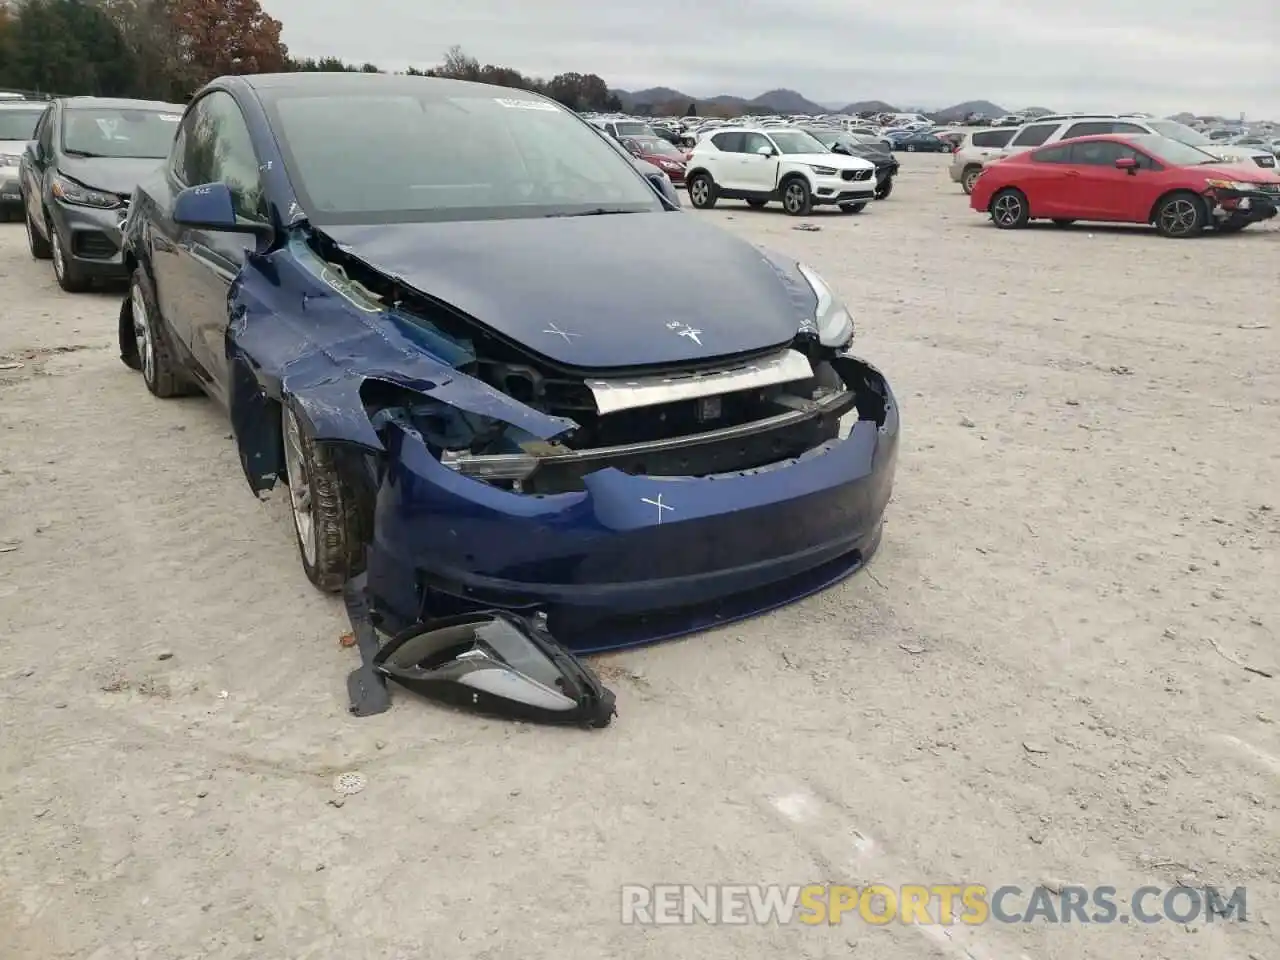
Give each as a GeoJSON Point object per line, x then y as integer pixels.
{"type": "Point", "coordinates": [526, 104]}
{"type": "Point", "coordinates": [171, 117]}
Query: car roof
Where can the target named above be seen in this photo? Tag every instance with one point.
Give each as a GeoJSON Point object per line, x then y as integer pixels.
{"type": "Point", "coordinates": [322, 84]}
{"type": "Point", "coordinates": [121, 103]}
{"type": "Point", "coordinates": [23, 104]}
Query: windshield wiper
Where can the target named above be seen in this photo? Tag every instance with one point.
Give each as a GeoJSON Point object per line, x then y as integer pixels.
{"type": "Point", "coordinates": [83, 153]}
{"type": "Point", "coordinates": [598, 212]}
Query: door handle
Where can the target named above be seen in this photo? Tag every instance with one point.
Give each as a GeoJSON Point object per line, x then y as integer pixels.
{"type": "Point", "coordinates": [1073, 173]}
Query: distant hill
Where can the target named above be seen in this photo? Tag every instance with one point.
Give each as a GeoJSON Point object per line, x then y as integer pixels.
{"type": "Point", "coordinates": [1037, 111]}
{"type": "Point", "coordinates": [864, 106]}
{"type": "Point", "coordinates": [957, 113]}
{"type": "Point", "coordinates": [668, 100]}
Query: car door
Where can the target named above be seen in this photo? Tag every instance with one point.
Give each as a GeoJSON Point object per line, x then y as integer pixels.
{"type": "Point", "coordinates": [725, 162]}
{"type": "Point", "coordinates": [759, 172]}
{"type": "Point", "coordinates": [217, 148]}
{"type": "Point", "coordinates": [1104, 192]}
{"type": "Point", "coordinates": [1050, 183]}
{"type": "Point", "coordinates": [32, 170]}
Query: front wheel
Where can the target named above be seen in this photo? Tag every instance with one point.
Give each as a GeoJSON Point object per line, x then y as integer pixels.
{"type": "Point", "coordinates": [1181, 216]}
{"type": "Point", "coordinates": [70, 278]}
{"type": "Point", "coordinates": [886, 188]}
{"type": "Point", "coordinates": [152, 351]}
{"type": "Point", "coordinates": [38, 244]}
{"type": "Point", "coordinates": [852, 207]}
{"type": "Point", "coordinates": [702, 191]}
{"type": "Point", "coordinates": [1009, 209]}
{"type": "Point", "coordinates": [797, 201]}
{"type": "Point", "coordinates": [329, 517]}
{"type": "Point", "coordinates": [970, 178]}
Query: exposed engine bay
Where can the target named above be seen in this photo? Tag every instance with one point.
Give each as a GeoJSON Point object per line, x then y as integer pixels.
{"type": "Point", "coordinates": [738, 414]}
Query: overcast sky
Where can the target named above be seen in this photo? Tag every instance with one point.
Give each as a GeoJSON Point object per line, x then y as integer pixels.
{"type": "Point", "coordinates": [1151, 55]}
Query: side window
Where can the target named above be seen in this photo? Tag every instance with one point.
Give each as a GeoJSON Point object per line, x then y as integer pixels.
{"type": "Point", "coordinates": [1091, 128]}
{"type": "Point", "coordinates": [44, 131]}
{"type": "Point", "coordinates": [1128, 128]}
{"type": "Point", "coordinates": [752, 142]}
{"type": "Point", "coordinates": [992, 138]}
{"type": "Point", "coordinates": [728, 142]}
{"type": "Point", "coordinates": [217, 149]}
{"type": "Point", "coordinates": [1053, 155]}
{"type": "Point", "coordinates": [1034, 135]}
{"type": "Point", "coordinates": [1102, 153]}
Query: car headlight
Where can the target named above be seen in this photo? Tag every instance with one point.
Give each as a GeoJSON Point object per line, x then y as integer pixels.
{"type": "Point", "coordinates": [1231, 185]}
{"type": "Point", "coordinates": [835, 326]}
{"type": "Point", "coordinates": [68, 191]}
{"type": "Point", "coordinates": [823, 171]}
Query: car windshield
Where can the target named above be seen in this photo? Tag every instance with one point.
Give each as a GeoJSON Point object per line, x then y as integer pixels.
{"type": "Point", "coordinates": [826, 137]}
{"type": "Point", "coordinates": [656, 147]}
{"type": "Point", "coordinates": [406, 157]}
{"type": "Point", "coordinates": [118, 132]}
{"type": "Point", "coordinates": [18, 124]}
{"type": "Point", "coordinates": [633, 129]}
{"type": "Point", "coordinates": [1178, 131]}
{"type": "Point", "coordinates": [797, 141]}
{"type": "Point", "coordinates": [1174, 153]}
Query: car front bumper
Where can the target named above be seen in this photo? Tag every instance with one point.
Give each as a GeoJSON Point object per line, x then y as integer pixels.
{"type": "Point", "coordinates": [634, 559]}
{"type": "Point", "coordinates": [1238, 206]}
{"type": "Point", "coordinates": [91, 238]}
{"type": "Point", "coordinates": [838, 190]}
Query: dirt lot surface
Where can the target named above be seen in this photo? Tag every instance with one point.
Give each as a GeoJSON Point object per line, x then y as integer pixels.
{"type": "Point", "coordinates": [1041, 678]}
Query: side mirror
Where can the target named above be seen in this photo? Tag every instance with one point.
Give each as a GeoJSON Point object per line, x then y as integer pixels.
{"type": "Point", "coordinates": [210, 207]}
{"type": "Point", "coordinates": [1127, 163]}
{"type": "Point", "coordinates": [765, 151]}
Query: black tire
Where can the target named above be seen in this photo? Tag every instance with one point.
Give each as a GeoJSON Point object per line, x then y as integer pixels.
{"type": "Point", "coordinates": [1009, 209]}
{"type": "Point", "coordinates": [1063, 224]}
{"type": "Point", "coordinates": [756, 204]}
{"type": "Point", "coordinates": [797, 201]}
{"type": "Point", "coordinates": [162, 373]}
{"type": "Point", "coordinates": [852, 207]}
{"type": "Point", "coordinates": [332, 540]}
{"type": "Point", "coordinates": [1181, 215]}
{"type": "Point", "coordinates": [70, 278]}
{"type": "Point", "coordinates": [702, 191]}
{"type": "Point", "coordinates": [38, 245]}
{"type": "Point", "coordinates": [886, 188]}
{"type": "Point", "coordinates": [969, 178]}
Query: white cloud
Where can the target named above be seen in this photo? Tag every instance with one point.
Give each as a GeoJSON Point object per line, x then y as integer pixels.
{"type": "Point", "coordinates": [1157, 55]}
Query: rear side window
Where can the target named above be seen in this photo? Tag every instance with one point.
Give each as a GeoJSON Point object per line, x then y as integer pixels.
{"type": "Point", "coordinates": [1090, 128]}
{"type": "Point", "coordinates": [1128, 128]}
{"type": "Point", "coordinates": [1052, 155]}
{"type": "Point", "coordinates": [729, 142]}
{"type": "Point", "coordinates": [1034, 135]}
{"type": "Point", "coordinates": [993, 138]}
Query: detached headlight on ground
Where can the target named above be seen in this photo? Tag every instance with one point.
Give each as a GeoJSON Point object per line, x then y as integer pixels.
{"type": "Point", "coordinates": [68, 191]}
{"type": "Point", "coordinates": [835, 326]}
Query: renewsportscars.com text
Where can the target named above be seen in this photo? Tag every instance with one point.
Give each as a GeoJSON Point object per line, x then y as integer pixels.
{"type": "Point", "coordinates": [971, 904]}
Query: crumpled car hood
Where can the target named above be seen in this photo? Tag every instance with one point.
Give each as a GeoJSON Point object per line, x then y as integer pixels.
{"type": "Point", "coordinates": [623, 290]}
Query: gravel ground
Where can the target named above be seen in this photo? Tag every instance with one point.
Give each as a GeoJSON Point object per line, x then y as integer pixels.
{"type": "Point", "coordinates": [1041, 678]}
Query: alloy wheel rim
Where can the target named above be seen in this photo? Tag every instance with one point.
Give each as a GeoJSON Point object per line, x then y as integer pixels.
{"type": "Point", "coordinates": [58, 266]}
{"type": "Point", "coordinates": [971, 179]}
{"type": "Point", "coordinates": [1179, 217]}
{"type": "Point", "coordinates": [142, 337]}
{"type": "Point", "coordinates": [1008, 209]}
{"type": "Point", "coordinates": [299, 487]}
{"type": "Point", "coordinates": [699, 189]}
{"type": "Point", "coordinates": [795, 197]}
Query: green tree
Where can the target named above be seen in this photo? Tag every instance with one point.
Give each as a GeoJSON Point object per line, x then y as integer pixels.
{"type": "Point", "coordinates": [69, 47]}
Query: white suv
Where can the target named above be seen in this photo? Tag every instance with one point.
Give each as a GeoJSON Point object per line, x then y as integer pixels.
{"type": "Point", "coordinates": [790, 166]}
{"type": "Point", "coordinates": [977, 147]}
{"type": "Point", "coordinates": [1051, 129]}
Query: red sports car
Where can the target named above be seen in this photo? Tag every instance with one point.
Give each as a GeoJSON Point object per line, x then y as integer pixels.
{"type": "Point", "coordinates": [1126, 179]}
{"type": "Point", "coordinates": [667, 158]}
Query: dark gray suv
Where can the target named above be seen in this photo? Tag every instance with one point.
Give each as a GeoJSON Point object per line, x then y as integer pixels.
{"type": "Point", "coordinates": [77, 175]}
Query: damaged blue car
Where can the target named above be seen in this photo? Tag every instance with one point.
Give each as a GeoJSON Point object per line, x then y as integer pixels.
{"type": "Point", "coordinates": [496, 366]}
